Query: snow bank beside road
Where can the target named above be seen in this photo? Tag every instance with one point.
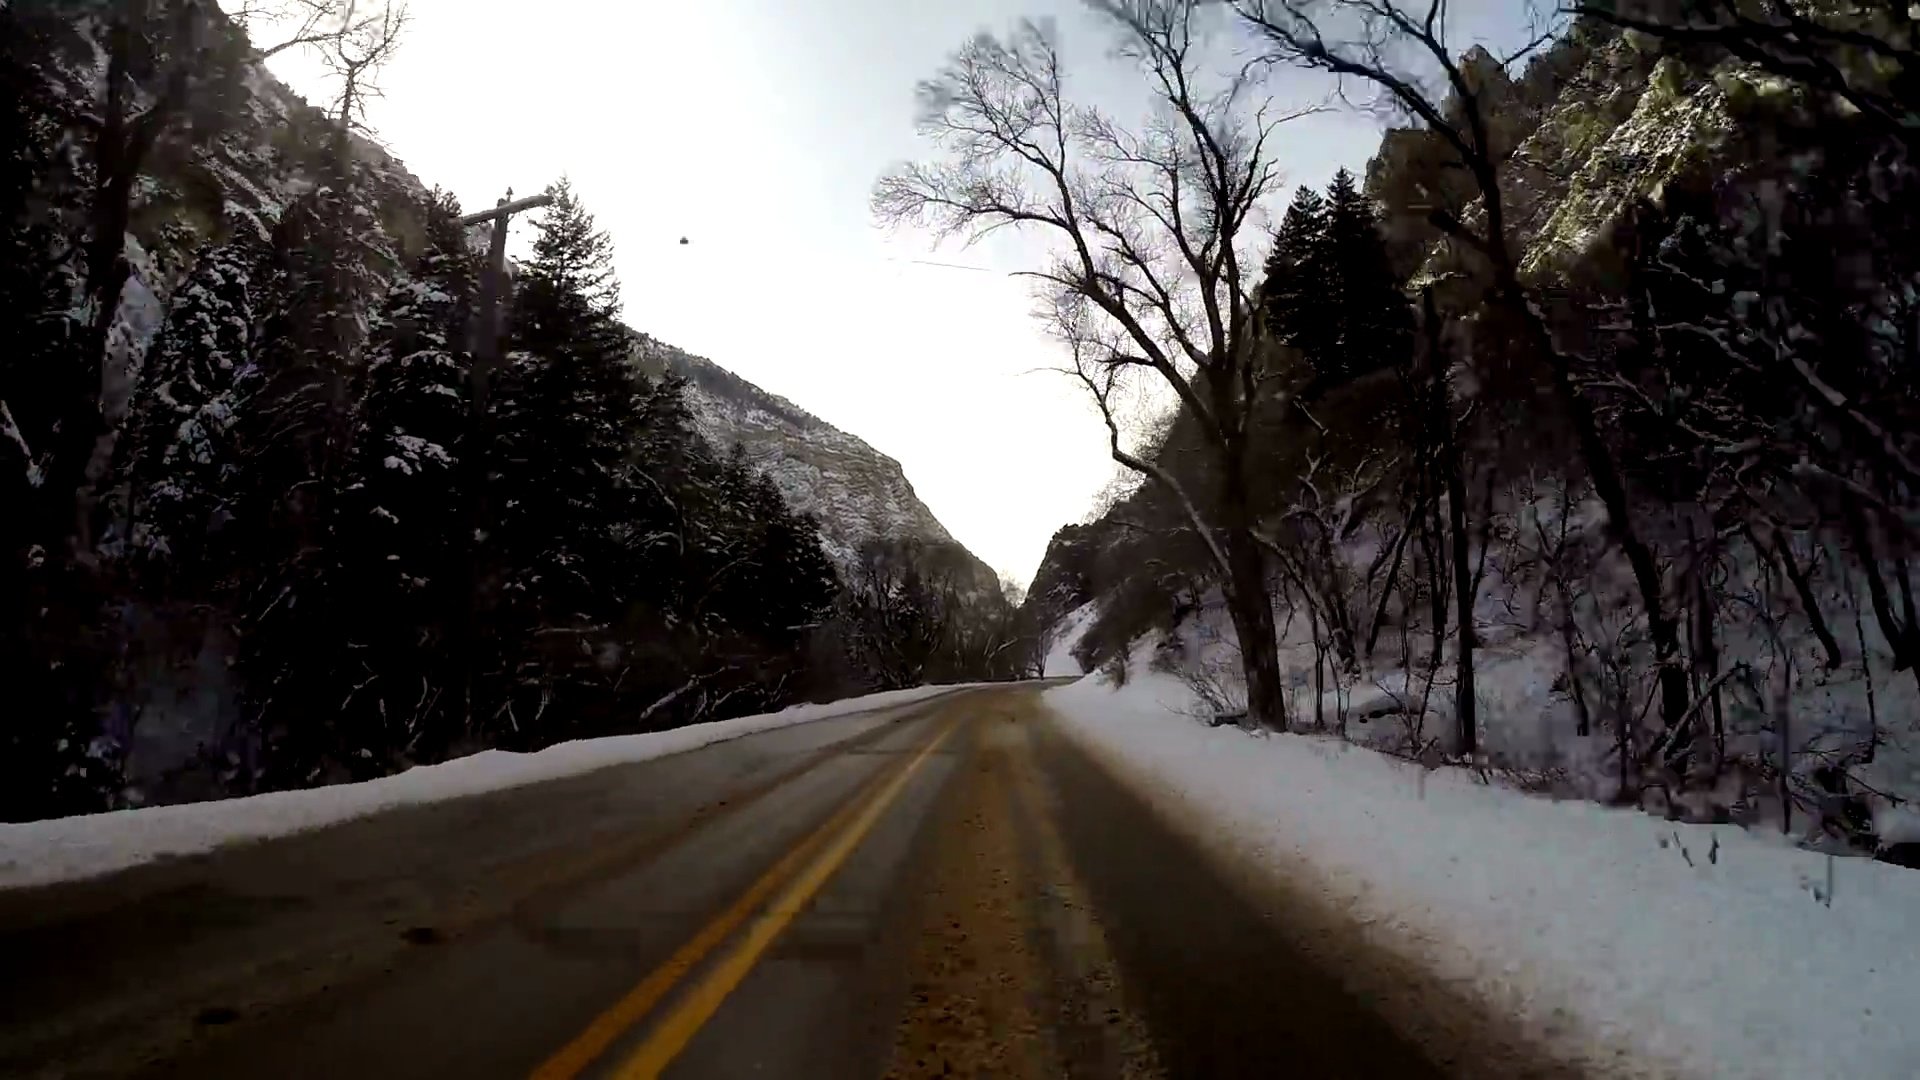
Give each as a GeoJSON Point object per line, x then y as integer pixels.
{"type": "Point", "coordinates": [1625, 942]}
{"type": "Point", "coordinates": [65, 849]}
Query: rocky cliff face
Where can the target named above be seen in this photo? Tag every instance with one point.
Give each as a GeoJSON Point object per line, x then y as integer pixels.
{"type": "Point", "coordinates": [856, 492]}
{"type": "Point", "coordinates": [1598, 123]}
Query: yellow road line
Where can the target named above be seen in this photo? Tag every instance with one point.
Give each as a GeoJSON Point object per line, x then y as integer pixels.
{"type": "Point", "coordinates": [678, 1027]}
{"type": "Point", "coordinates": [622, 1015]}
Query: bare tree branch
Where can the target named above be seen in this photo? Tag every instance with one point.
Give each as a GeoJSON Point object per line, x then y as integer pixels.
{"type": "Point", "coordinates": [1150, 226]}
{"type": "Point", "coordinates": [367, 39]}
{"type": "Point", "coordinates": [295, 23]}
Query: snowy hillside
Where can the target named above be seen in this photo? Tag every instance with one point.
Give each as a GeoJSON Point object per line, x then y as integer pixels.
{"type": "Point", "coordinates": [1726, 633]}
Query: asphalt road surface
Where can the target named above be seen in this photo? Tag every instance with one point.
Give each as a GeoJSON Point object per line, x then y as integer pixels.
{"type": "Point", "coordinates": [946, 889]}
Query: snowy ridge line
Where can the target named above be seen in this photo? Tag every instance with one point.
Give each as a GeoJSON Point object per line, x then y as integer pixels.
{"type": "Point", "coordinates": [1629, 945]}
{"type": "Point", "coordinates": [72, 848]}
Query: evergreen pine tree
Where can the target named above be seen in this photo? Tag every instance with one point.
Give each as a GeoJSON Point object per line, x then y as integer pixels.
{"type": "Point", "coordinates": [1330, 292]}
{"type": "Point", "coordinates": [793, 584]}
{"type": "Point", "coordinates": [330, 256]}
{"type": "Point", "coordinates": [765, 570]}
{"type": "Point", "coordinates": [403, 513]}
{"type": "Point", "coordinates": [176, 457]}
{"type": "Point", "coordinates": [562, 495]}
{"type": "Point", "coordinates": [1292, 292]}
{"type": "Point", "coordinates": [1369, 323]}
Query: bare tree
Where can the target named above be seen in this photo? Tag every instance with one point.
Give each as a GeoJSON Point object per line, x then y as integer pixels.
{"type": "Point", "coordinates": [368, 37]}
{"type": "Point", "coordinates": [1444, 458]}
{"type": "Point", "coordinates": [1150, 284]}
{"type": "Point", "coordinates": [1403, 50]}
{"type": "Point", "coordinates": [293, 24]}
{"type": "Point", "coordinates": [1327, 508]}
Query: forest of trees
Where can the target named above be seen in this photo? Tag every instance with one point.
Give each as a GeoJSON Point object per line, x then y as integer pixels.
{"type": "Point", "coordinates": [1644, 414]}
{"type": "Point", "coordinates": [302, 512]}
{"type": "Point", "coordinates": [1609, 361]}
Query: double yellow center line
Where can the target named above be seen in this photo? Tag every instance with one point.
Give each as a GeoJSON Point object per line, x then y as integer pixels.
{"type": "Point", "coordinates": [792, 882]}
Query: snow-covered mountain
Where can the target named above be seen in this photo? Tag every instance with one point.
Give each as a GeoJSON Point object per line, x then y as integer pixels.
{"type": "Point", "coordinates": [856, 492]}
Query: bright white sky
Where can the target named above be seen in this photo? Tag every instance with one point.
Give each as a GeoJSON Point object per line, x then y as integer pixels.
{"type": "Point", "coordinates": [756, 129]}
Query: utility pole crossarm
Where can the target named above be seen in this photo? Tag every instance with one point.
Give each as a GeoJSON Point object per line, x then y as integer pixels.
{"type": "Point", "coordinates": [508, 209]}
{"type": "Point", "coordinates": [484, 339]}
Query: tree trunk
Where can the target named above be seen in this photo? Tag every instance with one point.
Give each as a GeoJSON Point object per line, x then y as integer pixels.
{"type": "Point", "coordinates": [1319, 671]}
{"type": "Point", "coordinates": [1583, 725]}
{"type": "Point", "coordinates": [1594, 453]}
{"type": "Point", "coordinates": [1339, 619]}
{"type": "Point", "coordinates": [1441, 422]}
{"type": "Point", "coordinates": [1782, 551]}
{"type": "Point", "coordinates": [83, 423]}
{"type": "Point", "coordinates": [1783, 720]}
{"type": "Point", "coordinates": [1625, 794]}
{"type": "Point", "coordinates": [1465, 704]}
{"type": "Point", "coordinates": [1430, 537]}
{"type": "Point", "coordinates": [1252, 613]}
{"type": "Point", "coordinates": [1386, 587]}
{"type": "Point", "coordinates": [1899, 638]}
{"type": "Point", "coordinates": [1707, 649]}
{"type": "Point", "coordinates": [120, 150]}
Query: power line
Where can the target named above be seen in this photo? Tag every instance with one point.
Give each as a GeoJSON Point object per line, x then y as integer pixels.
{"type": "Point", "coordinates": [946, 265]}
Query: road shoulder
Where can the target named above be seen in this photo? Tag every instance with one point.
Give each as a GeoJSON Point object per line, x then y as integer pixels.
{"type": "Point", "coordinates": [1459, 1034]}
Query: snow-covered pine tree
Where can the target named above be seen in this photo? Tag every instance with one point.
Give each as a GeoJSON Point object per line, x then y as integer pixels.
{"type": "Point", "coordinates": [640, 576]}
{"type": "Point", "coordinates": [667, 475]}
{"type": "Point", "coordinates": [176, 458]}
{"type": "Point", "coordinates": [330, 256]}
{"type": "Point", "coordinates": [754, 581]}
{"type": "Point", "coordinates": [402, 515]}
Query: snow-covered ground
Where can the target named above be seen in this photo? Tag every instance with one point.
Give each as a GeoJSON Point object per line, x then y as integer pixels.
{"type": "Point", "coordinates": [1702, 951]}
{"type": "Point", "coordinates": [65, 849]}
{"type": "Point", "coordinates": [1059, 659]}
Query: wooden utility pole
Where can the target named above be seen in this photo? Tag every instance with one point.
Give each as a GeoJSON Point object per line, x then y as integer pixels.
{"type": "Point", "coordinates": [484, 343]}
{"type": "Point", "coordinates": [483, 346]}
